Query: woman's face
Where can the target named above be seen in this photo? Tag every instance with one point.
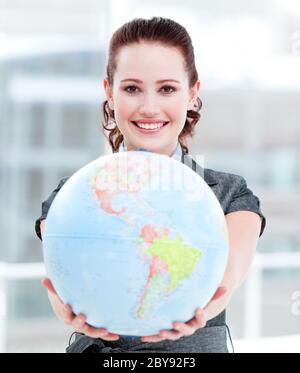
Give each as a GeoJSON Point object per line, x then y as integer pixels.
{"type": "Point", "coordinates": [150, 89]}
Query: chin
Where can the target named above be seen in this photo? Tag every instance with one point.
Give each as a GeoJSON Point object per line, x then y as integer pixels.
{"type": "Point", "coordinates": [145, 145]}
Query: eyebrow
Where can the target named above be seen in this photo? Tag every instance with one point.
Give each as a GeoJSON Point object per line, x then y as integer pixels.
{"type": "Point", "coordinates": [158, 81]}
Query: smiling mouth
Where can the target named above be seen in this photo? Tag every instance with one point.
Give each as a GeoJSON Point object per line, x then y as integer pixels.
{"type": "Point", "coordinates": [150, 129]}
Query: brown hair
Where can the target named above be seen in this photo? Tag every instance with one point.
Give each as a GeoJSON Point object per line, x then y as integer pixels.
{"type": "Point", "coordinates": [168, 33]}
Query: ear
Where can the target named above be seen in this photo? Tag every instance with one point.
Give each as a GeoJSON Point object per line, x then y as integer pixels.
{"type": "Point", "coordinates": [108, 93]}
{"type": "Point", "coordinates": [194, 93]}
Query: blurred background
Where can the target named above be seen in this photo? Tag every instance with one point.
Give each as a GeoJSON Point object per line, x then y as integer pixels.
{"type": "Point", "coordinates": [52, 59]}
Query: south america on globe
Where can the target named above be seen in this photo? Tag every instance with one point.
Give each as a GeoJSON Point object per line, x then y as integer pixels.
{"type": "Point", "coordinates": [135, 241]}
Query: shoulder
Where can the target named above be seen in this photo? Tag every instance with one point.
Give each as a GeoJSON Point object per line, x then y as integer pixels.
{"type": "Point", "coordinates": [233, 193]}
{"type": "Point", "coordinates": [223, 179]}
{"type": "Point", "coordinates": [46, 205]}
{"type": "Point", "coordinates": [226, 185]}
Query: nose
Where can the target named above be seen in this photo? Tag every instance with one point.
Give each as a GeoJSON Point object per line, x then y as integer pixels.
{"type": "Point", "coordinates": [149, 107]}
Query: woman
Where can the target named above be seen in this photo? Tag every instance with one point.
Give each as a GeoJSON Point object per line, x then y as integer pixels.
{"type": "Point", "coordinates": [152, 102]}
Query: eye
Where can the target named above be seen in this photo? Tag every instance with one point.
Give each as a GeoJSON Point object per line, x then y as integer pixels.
{"type": "Point", "coordinates": [169, 87]}
{"type": "Point", "coordinates": [130, 86]}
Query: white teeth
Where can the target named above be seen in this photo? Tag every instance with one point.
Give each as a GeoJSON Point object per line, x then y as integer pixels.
{"type": "Point", "coordinates": [150, 126]}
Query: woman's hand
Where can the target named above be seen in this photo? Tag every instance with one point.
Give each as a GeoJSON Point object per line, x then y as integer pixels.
{"type": "Point", "coordinates": [64, 312]}
{"type": "Point", "coordinates": [185, 329]}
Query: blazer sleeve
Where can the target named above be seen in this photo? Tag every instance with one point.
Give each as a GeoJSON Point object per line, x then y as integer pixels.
{"type": "Point", "coordinates": [46, 205]}
{"type": "Point", "coordinates": [243, 199]}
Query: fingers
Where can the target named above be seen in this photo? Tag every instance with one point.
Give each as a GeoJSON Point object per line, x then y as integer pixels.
{"type": "Point", "coordinates": [180, 329]}
{"type": "Point", "coordinates": [65, 312]}
{"type": "Point", "coordinates": [197, 322]}
{"type": "Point", "coordinates": [172, 335]}
{"type": "Point", "coordinates": [46, 282]}
{"type": "Point", "coordinates": [152, 338]}
{"type": "Point", "coordinates": [200, 318]}
{"type": "Point", "coordinates": [183, 328]}
{"type": "Point", "coordinates": [68, 315]}
{"type": "Point", "coordinates": [80, 325]}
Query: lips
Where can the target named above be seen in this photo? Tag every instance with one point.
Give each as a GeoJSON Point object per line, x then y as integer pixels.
{"type": "Point", "coordinates": [135, 123]}
{"type": "Point", "coordinates": [150, 131]}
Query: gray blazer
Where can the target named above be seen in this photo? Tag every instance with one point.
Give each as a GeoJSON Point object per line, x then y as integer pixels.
{"type": "Point", "coordinates": [233, 194]}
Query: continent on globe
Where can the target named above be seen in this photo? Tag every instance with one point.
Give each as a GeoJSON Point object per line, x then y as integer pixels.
{"type": "Point", "coordinates": [170, 256]}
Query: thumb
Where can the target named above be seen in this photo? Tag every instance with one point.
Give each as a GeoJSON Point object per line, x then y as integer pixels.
{"type": "Point", "coordinates": [46, 282]}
